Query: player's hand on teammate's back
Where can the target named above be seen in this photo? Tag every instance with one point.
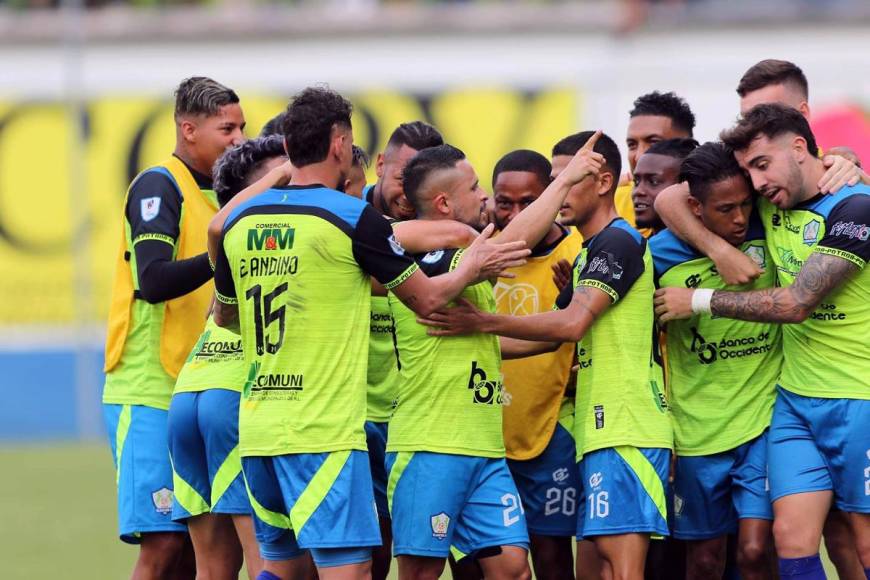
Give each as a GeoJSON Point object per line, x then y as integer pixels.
{"type": "Point", "coordinates": [464, 318]}
{"type": "Point", "coordinates": [673, 303]}
{"type": "Point", "coordinates": [734, 266]}
{"type": "Point", "coordinates": [585, 163]}
{"type": "Point", "coordinates": [561, 273]}
{"type": "Point", "coordinates": [490, 258]}
{"type": "Point", "coordinates": [842, 171]}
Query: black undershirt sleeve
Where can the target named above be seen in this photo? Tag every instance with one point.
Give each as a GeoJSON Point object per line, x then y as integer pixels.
{"type": "Point", "coordinates": [153, 211]}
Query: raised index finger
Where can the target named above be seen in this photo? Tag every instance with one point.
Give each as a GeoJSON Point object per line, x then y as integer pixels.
{"type": "Point", "coordinates": [592, 141]}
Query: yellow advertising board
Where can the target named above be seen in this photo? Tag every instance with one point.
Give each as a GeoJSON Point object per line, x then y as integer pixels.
{"type": "Point", "coordinates": [122, 135]}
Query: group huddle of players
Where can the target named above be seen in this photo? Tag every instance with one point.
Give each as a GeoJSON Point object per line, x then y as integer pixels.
{"type": "Point", "coordinates": [421, 370]}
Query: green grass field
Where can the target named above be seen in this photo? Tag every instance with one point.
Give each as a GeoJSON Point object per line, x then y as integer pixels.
{"type": "Point", "coordinates": [59, 520]}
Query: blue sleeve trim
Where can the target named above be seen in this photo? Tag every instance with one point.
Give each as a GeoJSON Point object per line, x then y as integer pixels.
{"type": "Point", "coordinates": [625, 226]}
{"type": "Point", "coordinates": [668, 251]}
{"type": "Point", "coordinates": [827, 203]}
{"type": "Point", "coordinates": [345, 207]}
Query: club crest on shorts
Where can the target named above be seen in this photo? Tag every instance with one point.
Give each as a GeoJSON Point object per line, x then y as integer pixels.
{"type": "Point", "coordinates": [440, 523]}
{"type": "Point", "coordinates": [162, 499]}
{"type": "Point", "coordinates": [150, 207]}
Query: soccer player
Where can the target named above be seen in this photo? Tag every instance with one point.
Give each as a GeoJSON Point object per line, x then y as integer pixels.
{"type": "Point", "coordinates": [159, 298]}
{"type": "Point", "coordinates": [721, 379]}
{"type": "Point", "coordinates": [818, 436]}
{"type": "Point", "coordinates": [387, 195]}
{"type": "Point", "coordinates": [292, 271]}
{"type": "Point", "coordinates": [655, 117]}
{"type": "Point", "coordinates": [538, 417]}
{"type": "Point", "coordinates": [656, 169]}
{"type": "Point", "coordinates": [203, 418]}
{"type": "Point", "coordinates": [622, 425]}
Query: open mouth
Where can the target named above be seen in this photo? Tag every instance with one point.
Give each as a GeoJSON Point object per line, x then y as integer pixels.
{"type": "Point", "coordinates": [640, 206]}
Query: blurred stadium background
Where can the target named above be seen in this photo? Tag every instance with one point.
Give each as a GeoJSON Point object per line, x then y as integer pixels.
{"type": "Point", "coordinates": [85, 103]}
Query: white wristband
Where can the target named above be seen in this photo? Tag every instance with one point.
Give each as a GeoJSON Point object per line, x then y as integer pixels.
{"type": "Point", "coordinates": [701, 301]}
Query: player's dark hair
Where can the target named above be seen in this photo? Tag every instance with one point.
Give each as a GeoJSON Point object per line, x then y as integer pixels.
{"type": "Point", "coordinates": [773, 72]}
{"type": "Point", "coordinates": [274, 126]}
{"type": "Point", "coordinates": [423, 164]}
{"type": "Point", "coordinates": [308, 123]}
{"type": "Point", "coordinates": [676, 148]}
{"type": "Point", "coordinates": [668, 105]}
{"type": "Point", "coordinates": [417, 135]}
{"type": "Point", "coordinates": [571, 144]}
{"type": "Point", "coordinates": [234, 168]}
{"type": "Point", "coordinates": [770, 120]}
{"type": "Point", "coordinates": [710, 163]}
{"type": "Point", "coordinates": [524, 160]}
{"type": "Point", "coordinates": [202, 96]}
{"type": "Point", "coordinates": [361, 158]}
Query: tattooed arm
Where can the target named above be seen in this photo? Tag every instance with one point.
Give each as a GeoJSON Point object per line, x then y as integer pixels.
{"type": "Point", "coordinates": [819, 275]}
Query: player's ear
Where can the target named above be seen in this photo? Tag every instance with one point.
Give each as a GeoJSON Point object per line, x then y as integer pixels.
{"type": "Point", "coordinates": [379, 166]}
{"type": "Point", "coordinates": [441, 203]}
{"type": "Point", "coordinates": [336, 142]}
{"type": "Point", "coordinates": [605, 182]}
{"type": "Point", "coordinates": [805, 109]}
{"type": "Point", "coordinates": [799, 148]}
{"type": "Point", "coordinates": [695, 206]}
{"type": "Point", "coordinates": [188, 130]}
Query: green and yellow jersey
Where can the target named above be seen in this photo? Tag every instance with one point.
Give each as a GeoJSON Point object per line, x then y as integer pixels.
{"type": "Point", "coordinates": [450, 392]}
{"type": "Point", "coordinates": [216, 362]}
{"type": "Point", "coordinates": [827, 355]}
{"type": "Point", "coordinates": [298, 261]}
{"type": "Point", "coordinates": [620, 390]}
{"type": "Point", "coordinates": [722, 372]}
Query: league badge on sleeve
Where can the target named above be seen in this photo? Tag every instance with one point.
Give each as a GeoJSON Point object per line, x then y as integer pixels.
{"type": "Point", "coordinates": [150, 208]}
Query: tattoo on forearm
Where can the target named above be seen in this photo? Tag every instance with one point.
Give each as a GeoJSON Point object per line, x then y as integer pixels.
{"type": "Point", "coordinates": [818, 276]}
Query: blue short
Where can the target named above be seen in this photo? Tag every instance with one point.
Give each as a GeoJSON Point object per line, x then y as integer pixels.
{"type": "Point", "coordinates": [820, 444]}
{"type": "Point", "coordinates": [438, 500]}
{"type": "Point", "coordinates": [138, 437]}
{"type": "Point", "coordinates": [321, 501]}
{"type": "Point", "coordinates": [711, 492]}
{"type": "Point", "coordinates": [376, 440]}
{"type": "Point", "coordinates": [204, 446]}
{"type": "Point", "coordinates": [624, 490]}
{"type": "Point", "coordinates": [549, 486]}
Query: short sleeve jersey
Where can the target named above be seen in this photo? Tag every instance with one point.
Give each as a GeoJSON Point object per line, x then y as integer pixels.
{"type": "Point", "coordinates": [620, 389]}
{"type": "Point", "coordinates": [298, 261]}
{"type": "Point", "coordinates": [722, 372]}
{"type": "Point", "coordinates": [828, 354]}
{"type": "Point", "coordinates": [450, 392]}
{"type": "Point", "coordinates": [216, 362]}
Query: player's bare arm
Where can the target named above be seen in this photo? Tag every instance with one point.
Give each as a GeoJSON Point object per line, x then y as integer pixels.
{"type": "Point", "coordinates": [484, 259]}
{"type": "Point", "coordinates": [820, 274]}
{"type": "Point", "coordinates": [555, 327]}
{"type": "Point", "coordinates": [734, 266]}
{"type": "Point", "coordinates": [421, 236]}
{"type": "Point", "coordinates": [533, 223]}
